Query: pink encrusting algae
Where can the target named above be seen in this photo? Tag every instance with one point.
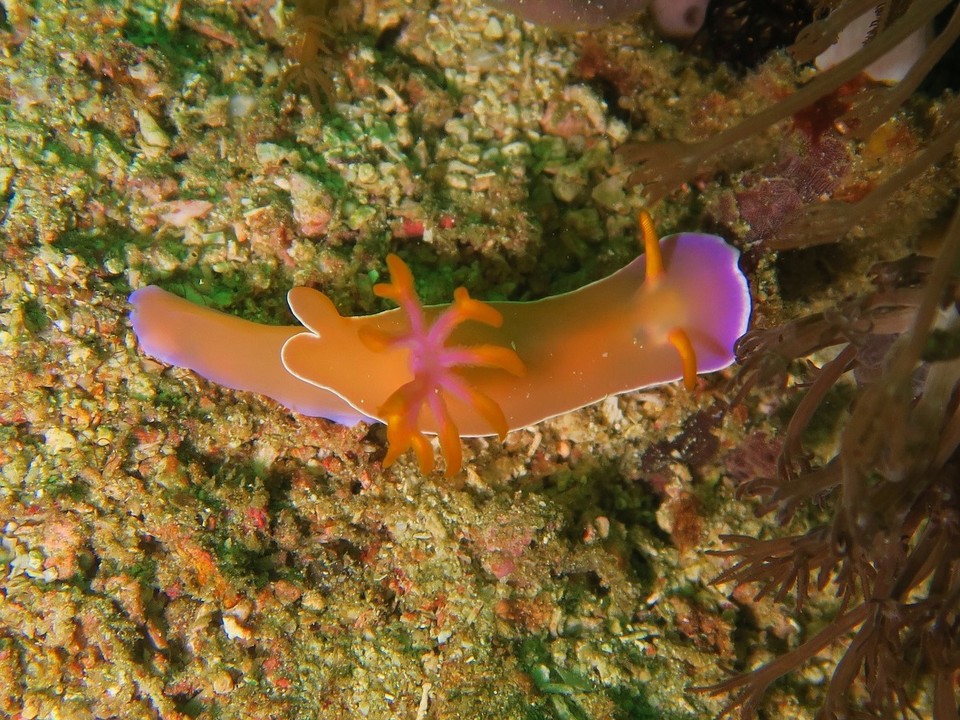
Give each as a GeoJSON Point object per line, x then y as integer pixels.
{"type": "Point", "coordinates": [471, 368]}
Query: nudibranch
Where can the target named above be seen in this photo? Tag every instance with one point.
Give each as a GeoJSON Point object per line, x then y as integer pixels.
{"type": "Point", "coordinates": [470, 368]}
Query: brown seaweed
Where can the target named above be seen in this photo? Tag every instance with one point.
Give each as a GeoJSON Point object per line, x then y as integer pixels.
{"type": "Point", "coordinates": [890, 548]}
{"type": "Point", "coordinates": [665, 164]}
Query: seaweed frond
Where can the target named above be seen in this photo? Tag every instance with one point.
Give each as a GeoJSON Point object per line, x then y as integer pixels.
{"type": "Point", "coordinates": [891, 549]}
{"type": "Point", "coordinates": [875, 106]}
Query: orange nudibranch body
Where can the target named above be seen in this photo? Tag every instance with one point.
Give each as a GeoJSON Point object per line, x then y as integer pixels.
{"type": "Point", "coordinates": [471, 368]}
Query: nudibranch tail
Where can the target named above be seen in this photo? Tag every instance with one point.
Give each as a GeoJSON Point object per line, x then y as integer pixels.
{"type": "Point", "coordinates": [236, 353]}
{"type": "Point", "coordinates": [436, 367]}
